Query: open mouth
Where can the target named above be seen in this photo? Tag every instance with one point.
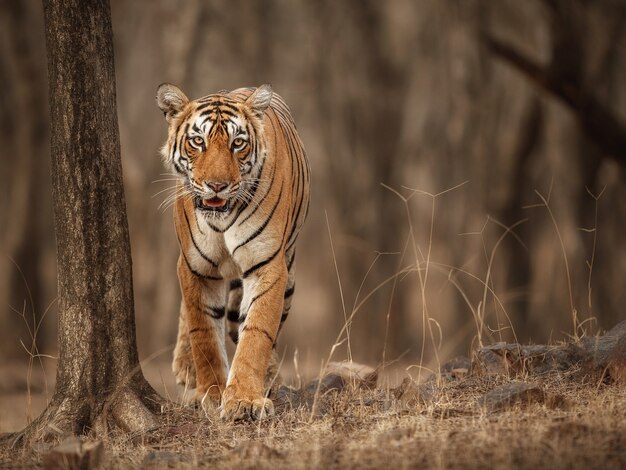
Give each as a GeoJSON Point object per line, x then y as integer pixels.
{"type": "Point", "coordinates": [213, 204]}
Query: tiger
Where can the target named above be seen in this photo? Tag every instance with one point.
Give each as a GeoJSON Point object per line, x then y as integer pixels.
{"type": "Point", "coordinates": [242, 197]}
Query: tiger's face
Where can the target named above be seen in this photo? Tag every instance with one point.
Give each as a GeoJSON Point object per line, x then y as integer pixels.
{"type": "Point", "coordinates": [215, 144]}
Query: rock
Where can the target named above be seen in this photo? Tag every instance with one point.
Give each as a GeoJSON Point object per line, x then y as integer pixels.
{"type": "Point", "coordinates": [410, 394]}
{"type": "Point", "coordinates": [596, 354]}
{"type": "Point", "coordinates": [511, 394]}
{"type": "Point", "coordinates": [491, 360]}
{"type": "Point", "coordinates": [458, 363]}
{"type": "Point", "coordinates": [287, 398]}
{"type": "Point", "coordinates": [513, 358]}
{"type": "Point", "coordinates": [339, 376]}
{"type": "Point", "coordinates": [355, 374]}
{"type": "Point", "coordinates": [74, 453]}
{"type": "Point", "coordinates": [326, 384]}
{"type": "Point", "coordinates": [459, 373]}
{"type": "Point", "coordinates": [599, 350]}
{"type": "Point", "coordinates": [454, 369]}
{"type": "Point", "coordinates": [617, 362]}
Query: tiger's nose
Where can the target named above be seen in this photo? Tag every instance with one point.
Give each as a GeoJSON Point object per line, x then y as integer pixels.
{"type": "Point", "coordinates": [217, 186]}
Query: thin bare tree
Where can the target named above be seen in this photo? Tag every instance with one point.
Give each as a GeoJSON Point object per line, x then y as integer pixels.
{"type": "Point", "coordinates": [99, 378]}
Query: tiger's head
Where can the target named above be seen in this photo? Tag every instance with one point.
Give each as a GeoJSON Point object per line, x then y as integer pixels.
{"type": "Point", "coordinates": [215, 145]}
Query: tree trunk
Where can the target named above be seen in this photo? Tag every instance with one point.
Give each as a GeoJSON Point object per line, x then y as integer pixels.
{"type": "Point", "coordinates": [99, 379]}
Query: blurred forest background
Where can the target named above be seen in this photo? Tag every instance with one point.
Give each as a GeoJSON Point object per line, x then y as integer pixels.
{"type": "Point", "coordinates": [518, 106]}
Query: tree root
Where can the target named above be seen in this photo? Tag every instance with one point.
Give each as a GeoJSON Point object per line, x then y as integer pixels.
{"type": "Point", "coordinates": [131, 414]}
{"type": "Point", "coordinates": [125, 409]}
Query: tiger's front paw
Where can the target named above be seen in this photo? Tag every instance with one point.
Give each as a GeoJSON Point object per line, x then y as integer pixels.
{"type": "Point", "coordinates": [234, 409]}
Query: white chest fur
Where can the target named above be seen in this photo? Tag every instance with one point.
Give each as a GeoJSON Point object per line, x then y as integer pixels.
{"type": "Point", "coordinates": [232, 252]}
{"type": "Point", "coordinates": [209, 253]}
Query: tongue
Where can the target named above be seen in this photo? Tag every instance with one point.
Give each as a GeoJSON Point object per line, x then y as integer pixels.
{"type": "Point", "coordinates": [214, 202]}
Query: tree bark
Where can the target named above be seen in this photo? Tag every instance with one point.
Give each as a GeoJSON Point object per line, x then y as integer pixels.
{"type": "Point", "coordinates": [99, 379]}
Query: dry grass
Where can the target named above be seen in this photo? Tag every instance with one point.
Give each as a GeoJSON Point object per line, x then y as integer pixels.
{"type": "Point", "coordinates": [580, 425]}
{"type": "Point", "coordinates": [579, 422]}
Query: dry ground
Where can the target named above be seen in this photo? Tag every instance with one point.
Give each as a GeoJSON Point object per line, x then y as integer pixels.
{"type": "Point", "coordinates": [578, 423]}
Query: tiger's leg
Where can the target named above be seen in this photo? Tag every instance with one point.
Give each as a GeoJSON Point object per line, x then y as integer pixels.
{"type": "Point", "coordinates": [235, 322]}
{"type": "Point", "coordinates": [273, 372]}
{"type": "Point", "coordinates": [263, 297]}
{"type": "Point", "coordinates": [203, 301]}
{"type": "Point", "coordinates": [182, 365]}
{"type": "Point", "coordinates": [233, 306]}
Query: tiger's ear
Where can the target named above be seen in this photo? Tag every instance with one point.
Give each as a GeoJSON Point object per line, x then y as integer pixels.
{"type": "Point", "coordinates": [171, 100]}
{"type": "Point", "coordinates": [260, 99]}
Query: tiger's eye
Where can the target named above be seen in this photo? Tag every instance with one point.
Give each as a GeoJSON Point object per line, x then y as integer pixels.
{"type": "Point", "coordinates": [238, 142]}
{"type": "Point", "coordinates": [197, 140]}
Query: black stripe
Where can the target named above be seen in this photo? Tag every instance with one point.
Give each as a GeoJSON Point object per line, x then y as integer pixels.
{"type": "Point", "coordinates": [212, 103]}
{"type": "Point", "coordinates": [217, 103]}
{"type": "Point", "coordinates": [234, 216]}
{"type": "Point", "coordinates": [216, 312]}
{"type": "Point", "coordinates": [294, 220]}
{"type": "Point", "coordinates": [204, 121]}
{"type": "Point", "coordinates": [216, 229]}
{"type": "Point", "coordinates": [262, 294]}
{"type": "Point", "coordinates": [274, 130]}
{"type": "Point", "coordinates": [174, 147]}
{"type": "Point", "coordinates": [216, 112]}
{"type": "Point", "coordinates": [178, 167]}
{"type": "Point", "coordinates": [196, 273]}
{"type": "Point", "coordinates": [205, 113]}
{"type": "Point", "coordinates": [234, 335]}
{"type": "Point", "coordinates": [223, 104]}
{"type": "Point", "coordinates": [256, 328]}
{"type": "Point", "coordinates": [226, 115]}
{"type": "Point", "coordinates": [233, 315]}
{"type": "Point", "coordinates": [256, 185]}
{"type": "Point", "coordinates": [197, 330]}
{"type": "Point", "coordinates": [283, 240]}
{"type": "Point", "coordinates": [297, 184]}
{"type": "Point", "coordinates": [289, 292]}
{"type": "Point", "coordinates": [197, 223]}
{"type": "Point", "coordinates": [235, 284]}
{"type": "Point", "coordinates": [245, 161]}
{"type": "Point", "coordinates": [258, 231]}
{"type": "Point", "coordinates": [177, 139]}
{"type": "Point", "coordinates": [290, 264]}
{"type": "Point", "coordinates": [261, 264]}
{"type": "Point", "coordinates": [193, 240]}
{"type": "Point", "coordinates": [216, 129]}
{"type": "Point", "coordinates": [291, 244]}
{"type": "Point", "coordinates": [283, 317]}
{"type": "Point", "coordinates": [252, 147]}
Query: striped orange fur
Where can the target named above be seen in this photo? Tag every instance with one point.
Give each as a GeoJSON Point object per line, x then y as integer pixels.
{"type": "Point", "coordinates": [241, 199]}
